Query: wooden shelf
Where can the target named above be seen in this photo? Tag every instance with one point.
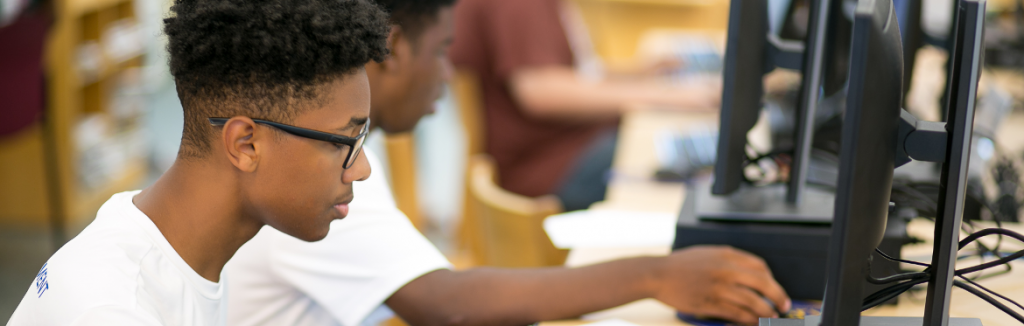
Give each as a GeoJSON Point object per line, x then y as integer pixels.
{"type": "Point", "coordinates": [108, 70]}
{"type": "Point", "coordinates": [26, 175]}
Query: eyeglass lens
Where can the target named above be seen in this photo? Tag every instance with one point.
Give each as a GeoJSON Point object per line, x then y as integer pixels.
{"type": "Point", "coordinates": [353, 152]}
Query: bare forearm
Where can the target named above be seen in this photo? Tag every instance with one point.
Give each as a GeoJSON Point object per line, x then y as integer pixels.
{"type": "Point", "coordinates": [491, 296]}
{"type": "Point", "coordinates": [557, 93]}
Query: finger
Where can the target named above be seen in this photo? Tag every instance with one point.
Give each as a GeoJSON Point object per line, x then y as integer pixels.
{"type": "Point", "coordinates": [728, 311]}
{"type": "Point", "coordinates": [763, 283]}
{"type": "Point", "coordinates": [749, 300]}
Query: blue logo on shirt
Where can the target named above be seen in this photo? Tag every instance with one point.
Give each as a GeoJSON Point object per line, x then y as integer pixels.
{"type": "Point", "coordinates": [41, 284]}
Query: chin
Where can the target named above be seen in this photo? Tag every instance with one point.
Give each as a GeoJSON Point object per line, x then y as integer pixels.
{"type": "Point", "coordinates": [312, 231]}
{"type": "Point", "coordinates": [315, 237]}
{"type": "Point", "coordinates": [312, 235]}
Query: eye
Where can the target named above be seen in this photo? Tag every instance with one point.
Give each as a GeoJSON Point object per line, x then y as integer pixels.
{"type": "Point", "coordinates": [339, 146]}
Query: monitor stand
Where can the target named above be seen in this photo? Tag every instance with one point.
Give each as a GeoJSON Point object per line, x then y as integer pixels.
{"type": "Point", "coordinates": [867, 321]}
{"type": "Point", "coordinates": [795, 252]}
{"type": "Point", "coordinates": [764, 204]}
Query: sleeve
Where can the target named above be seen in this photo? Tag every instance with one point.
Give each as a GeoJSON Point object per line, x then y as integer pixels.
{"type": "Point", "coordinates": [115, 315]}
{"type": "Point", "coordinates": [525, 33]}
{"type": "Point", "coordinates": [365, 257]}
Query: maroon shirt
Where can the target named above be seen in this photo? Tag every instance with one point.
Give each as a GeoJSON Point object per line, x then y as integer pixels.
{"type": "Point", "coordinates": [21, 71]}
{"type": "Point", "coordinates": [493, 39]}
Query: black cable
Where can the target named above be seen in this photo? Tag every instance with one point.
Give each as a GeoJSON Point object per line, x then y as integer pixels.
{"type": "Point", "coordinates": [900, 260]}
{"type": "Point", "coordinates": [980, 276]}
{"type": "Point", "coordinates": [992, 292]}
{"type": "Point", "coordinates": [897, 277]}
{"type": "Point", "coordinates": [976, 235]}
{"type": "Point", "coordinates": [967, 240]}
{"type": "Point", "coordinates": [886, 294]}
{"type": "Point", "coordinates": [1002, 260]}
{"type": "Point", "coordinates": [968, 227]}
{"type": "Point", "coordinates": [990, 300]}
{"type": "Point", "coordinates": [749, 161]}
{"type": "Point", "coordinates": [915, 278]}
{"type": "Point", "coordinates": [990, 264]}
{"type": "Point", "coordinates": [995, 250]}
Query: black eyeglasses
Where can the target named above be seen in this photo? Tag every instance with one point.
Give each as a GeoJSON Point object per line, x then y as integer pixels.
{"type": "Point", "coordinates": [355, 145]}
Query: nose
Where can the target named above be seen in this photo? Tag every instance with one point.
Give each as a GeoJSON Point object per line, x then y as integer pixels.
{"type": "Point", "coordinates": [359, 171]}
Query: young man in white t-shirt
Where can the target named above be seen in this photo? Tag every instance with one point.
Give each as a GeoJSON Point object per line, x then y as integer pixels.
{"type": "Point", "coordinates": [276, 104]}
{"type": "Point", "coordinates": [375, 261]}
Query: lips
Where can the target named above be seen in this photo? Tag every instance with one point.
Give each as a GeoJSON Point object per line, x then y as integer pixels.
{"type": "Point", "coordinates": [342, 209]}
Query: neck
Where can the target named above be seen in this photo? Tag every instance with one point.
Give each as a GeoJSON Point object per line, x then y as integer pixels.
{"type": "Point", "coordinates": [199, 213]}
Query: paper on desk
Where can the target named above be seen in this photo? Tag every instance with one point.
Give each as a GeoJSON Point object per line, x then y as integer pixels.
{"type": "Point", "coordinates": [611, 322]}
{"type": "Point", "coordinates": [610, 228]}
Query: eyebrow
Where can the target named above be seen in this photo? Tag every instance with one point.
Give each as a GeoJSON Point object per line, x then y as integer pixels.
{"type": "Point", "coordinates": [354, 122]}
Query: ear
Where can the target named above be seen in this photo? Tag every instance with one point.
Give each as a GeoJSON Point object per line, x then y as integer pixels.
{"type": "Point", "coordinates": [239, 138]}
{"type": "Point", "coordinates": [401, 50]}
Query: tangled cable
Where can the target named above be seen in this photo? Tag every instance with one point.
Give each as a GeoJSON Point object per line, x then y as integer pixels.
{"type": "Point", "coordinates": [906, 281]}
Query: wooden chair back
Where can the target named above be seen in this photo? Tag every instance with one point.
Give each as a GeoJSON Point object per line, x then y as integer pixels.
{"type": "Point", "coordinates": [465, 88]}
{"type": "Point", "coordinates": [401, 151]}
{"type": "Point", "coordinates": [469, 98]}
{"type": "Point", "coordinates": [511, 225]}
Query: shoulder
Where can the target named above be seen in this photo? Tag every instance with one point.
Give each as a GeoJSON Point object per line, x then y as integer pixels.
{"type": "Point", "coordinates": [111, 248]}
{"type": "Point", "coordinates": [99, 268]}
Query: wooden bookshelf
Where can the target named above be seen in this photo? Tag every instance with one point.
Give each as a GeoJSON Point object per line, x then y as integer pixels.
{"type": "Point", "coordinates": [41, 170]}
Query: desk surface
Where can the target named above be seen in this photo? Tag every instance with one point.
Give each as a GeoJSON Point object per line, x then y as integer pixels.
{"type": "Point", "coordinates": [632, 188]}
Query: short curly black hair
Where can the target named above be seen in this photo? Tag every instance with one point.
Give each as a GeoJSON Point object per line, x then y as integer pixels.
{"type": "Point", "coordinates": [265, 59]}
{"type": "Point", "coordinates": [414, 15]}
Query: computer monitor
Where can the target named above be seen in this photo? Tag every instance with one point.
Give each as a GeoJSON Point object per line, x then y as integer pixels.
{"type": "Point", "coordinates": [824, 31]}
{"type": "Point", "coordinates": [869, 135]}
{"type": "Point", "coordinates": [751, 52]}
{"type": "Point", "coordinates": [965, 65]}
{"type": "Point", "coordinates": [823, 65]}
{"type": "Point", "coordinates": [742, 89]}
{"type": "Point", "coordinates": [869, 145]}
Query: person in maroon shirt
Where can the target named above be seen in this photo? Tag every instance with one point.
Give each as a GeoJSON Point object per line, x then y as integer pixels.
{"type": "Point", "coordinates": [549, 131]}
{"type": "Point", "coordinates": [22, 86]}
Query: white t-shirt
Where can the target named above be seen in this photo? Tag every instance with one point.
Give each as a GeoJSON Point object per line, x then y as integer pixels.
{"type": "Point", "coordinates": [120, 271]}
{"type": "Point", "coordinates": [340, 280]}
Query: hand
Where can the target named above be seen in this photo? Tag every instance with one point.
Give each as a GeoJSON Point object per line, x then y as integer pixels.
{"type": "Point", "coordinates": [719, 282]}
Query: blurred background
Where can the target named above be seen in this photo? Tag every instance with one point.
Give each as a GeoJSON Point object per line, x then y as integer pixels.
{"type": "Point", "coordinates": [88, 108]}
